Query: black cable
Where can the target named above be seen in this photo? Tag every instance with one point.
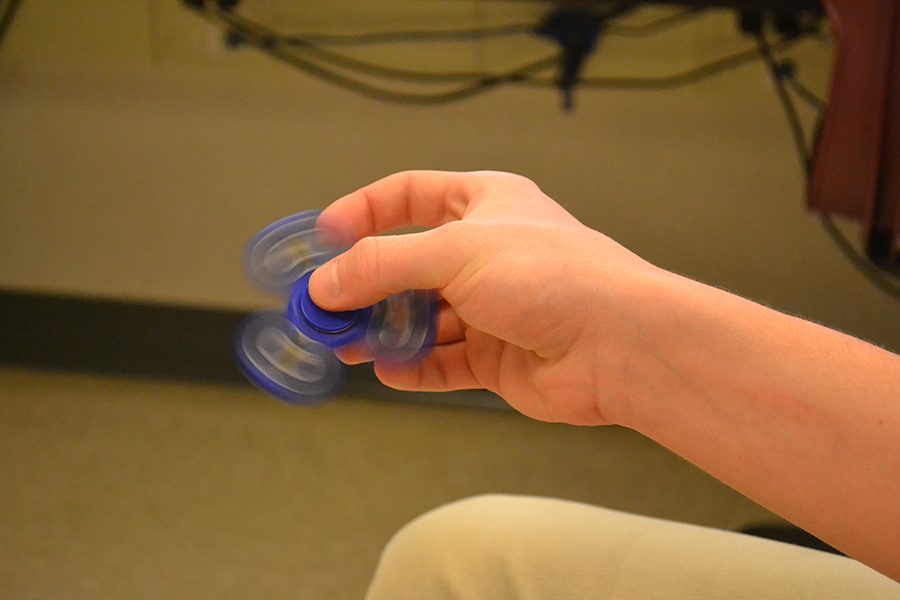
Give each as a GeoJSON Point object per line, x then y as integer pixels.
{"type": "Point", "coordinates": [310, 43]}
{"type": "Point", "coordinates": [804, 92]}
{"type": "Point", "coordinates": [472, 34]}
{"type": "Point", "coordinates": [263, 40]}
{"type": "Point", "coordinates": [6, 19]}
{"type": "Point", "coordinates": [876, 277]}
{"type": "Point", "coordinates": [245, 30]}
{"type": "Point", "coordinates": [368, 68]}
{"type": "Point", "coordinates": [690, 76]}
{"type": "Point", "coordinates": [255, 34]}
{"type": "Point", "coordinates": [765, 51]}
{"type": "Point", "coordinates": [266, 40]}
{"type": "Point", "coordinates": [383, 94]}
{"type": "Point", "coordinates": [260, 38]}
{"type": "Point", "coordinates": [408, 36]}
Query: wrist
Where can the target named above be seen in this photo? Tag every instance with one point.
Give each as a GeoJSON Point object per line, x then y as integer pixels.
{"type": "Point", "coordinates": [685, 339]}
{"type": "Point", "coordinates": [633, 323]}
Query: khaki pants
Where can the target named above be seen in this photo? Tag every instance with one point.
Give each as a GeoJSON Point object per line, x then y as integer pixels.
{"type": "Point", "coordinates": [499, 547]}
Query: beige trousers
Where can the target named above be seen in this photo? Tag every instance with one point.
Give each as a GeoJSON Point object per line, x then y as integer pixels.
{"type": "Point", "coordinates": [504, 547]}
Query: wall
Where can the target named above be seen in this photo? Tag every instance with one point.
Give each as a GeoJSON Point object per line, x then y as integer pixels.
{"type": "Point", "coordinates": [138, 156]}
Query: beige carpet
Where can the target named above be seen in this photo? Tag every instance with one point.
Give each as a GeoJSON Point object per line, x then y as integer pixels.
{"type": "Point", "coordinates": [116, 488]}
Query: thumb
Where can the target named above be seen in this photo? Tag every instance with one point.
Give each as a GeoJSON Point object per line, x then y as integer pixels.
{"type": "Point", "coordinates": [376, 267]}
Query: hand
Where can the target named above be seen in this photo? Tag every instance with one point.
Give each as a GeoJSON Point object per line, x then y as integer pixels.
{"type": "Point", "coordinates": [567, 325]}
{"type": "Point", "coordinates": [536, 307]}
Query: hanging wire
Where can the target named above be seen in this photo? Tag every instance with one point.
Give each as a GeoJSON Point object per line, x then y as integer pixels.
{"type": "Point", "coordinates": [262, 38]}
{"type": "Point", "coordinates": [862, 264]}
{"type": "Point", "coordinates": [243, 30]}
{"type": "Point", "coordinates": [765, 52]}
{"type": "Point", "coordinates": [369, 68]}
{"type": "Point", "coordinates": [804, 92]}
{"type": "Point", "coordinates": [688, 77]}
{"type": "Point", "coordinates": [408, 36]}
{"type": "Point", "coordinates": [469, 34]}
{"type": "Point", "coordinates": [310, 45]}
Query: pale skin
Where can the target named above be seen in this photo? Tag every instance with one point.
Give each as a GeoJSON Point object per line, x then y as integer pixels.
{"type": "Point", "coordinates": [569, 326]}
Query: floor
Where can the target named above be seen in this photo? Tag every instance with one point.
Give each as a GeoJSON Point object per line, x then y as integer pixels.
{"type": "Point", "coordinates": [123, 488]}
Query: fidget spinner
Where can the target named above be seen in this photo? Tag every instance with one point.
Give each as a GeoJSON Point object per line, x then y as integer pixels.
{"type": "Point", "coordinates": [290, 355]}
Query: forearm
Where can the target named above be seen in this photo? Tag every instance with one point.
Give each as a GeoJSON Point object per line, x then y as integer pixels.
{"type": "Point", "coordinates": [801, 418]}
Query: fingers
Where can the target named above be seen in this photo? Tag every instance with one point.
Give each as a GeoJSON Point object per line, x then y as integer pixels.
{"type": "Point", "coordinates": [433, 198]}
{"type": "Point", "coordinates": [450, 330]}
{"type": "Point", "coordinates": [445, 369]}
{"type": "Point", "coordinates": [376, 267]}
{"type": "Point", "coordinates": [423, 198]}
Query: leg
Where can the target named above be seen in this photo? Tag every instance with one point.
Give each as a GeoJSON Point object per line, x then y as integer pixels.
{"type": "Point", "coordinates": [526, 548]}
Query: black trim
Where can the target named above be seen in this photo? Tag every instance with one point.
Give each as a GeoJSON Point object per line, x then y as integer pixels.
{"type": "Point", "coordinates": [126, 338]}
{"type": "Point", "coordinates": [790, 535]}
{"type": "Point", "coordinates": [153, 340]}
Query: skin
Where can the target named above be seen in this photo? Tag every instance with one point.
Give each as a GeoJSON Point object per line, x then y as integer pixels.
{"type": "Point", "coordinates": [569, 326]}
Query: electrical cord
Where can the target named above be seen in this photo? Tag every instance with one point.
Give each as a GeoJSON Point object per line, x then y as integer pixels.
{"type": "Point", "coordinates": [409, 36]}
{"type": "Point", "coordinates": [875, 276]}
{"type": "Point", "coordinates": [688, 77]}
{"type": "Point", "coordinates": [472, 34]}
{"type": "Point", "coordinates": [261, 38]}
{"type": "Point", "coordinates": [243, 30]}
{"type": "Point", "coordinates": [765, 51]}
{"type": "Point", "coordinates": [239, 25]}
{"type": "Point", "coordinates": [804, 92]}
{"type": "Point", "coordinates": [310, 44]}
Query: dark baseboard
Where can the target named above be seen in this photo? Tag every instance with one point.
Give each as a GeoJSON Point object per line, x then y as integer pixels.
{"type": "Point", "coordinates": [150, 340]}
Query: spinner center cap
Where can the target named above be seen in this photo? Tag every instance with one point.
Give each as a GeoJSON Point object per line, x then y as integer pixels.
{"type": "Point", "coordinates": [323, 320]}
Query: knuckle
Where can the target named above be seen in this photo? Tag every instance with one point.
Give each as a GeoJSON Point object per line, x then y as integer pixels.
{"type": "Point", "coordinates": [368, 264]}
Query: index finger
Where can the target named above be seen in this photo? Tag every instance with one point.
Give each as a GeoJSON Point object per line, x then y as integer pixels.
{"type": "Point", "coordinates": [421, 198]}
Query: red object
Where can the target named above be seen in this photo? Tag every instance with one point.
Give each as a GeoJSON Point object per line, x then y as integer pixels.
{"type": "Point", "coordinates": [856, 163]}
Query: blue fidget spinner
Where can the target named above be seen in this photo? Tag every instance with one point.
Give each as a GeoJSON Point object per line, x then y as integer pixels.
{"type": "Point", "coordinates": [290, 355]}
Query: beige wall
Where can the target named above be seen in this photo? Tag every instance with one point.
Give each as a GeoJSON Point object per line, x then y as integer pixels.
{"type": "Point", "coordinates": [137, 157]}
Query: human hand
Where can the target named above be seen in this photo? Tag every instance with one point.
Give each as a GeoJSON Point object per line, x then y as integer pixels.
{"type": "Point", "coordinates": [567, 325]}
{"type": "Point", "coordinates": [536, 307]}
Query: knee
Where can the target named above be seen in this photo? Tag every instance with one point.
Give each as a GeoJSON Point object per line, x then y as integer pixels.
{"type": "Point", "coordinates": [499, 546]}
{"type": "Point", "coordinates": [445, 551]}
{"type": "Point", "coordinates": [495, 546]}
{"type": "Point", "coordinates": [456, 530]}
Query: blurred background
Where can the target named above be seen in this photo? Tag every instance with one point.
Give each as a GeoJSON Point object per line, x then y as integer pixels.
{"type": "Point", "coordinates": [142, 146]}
